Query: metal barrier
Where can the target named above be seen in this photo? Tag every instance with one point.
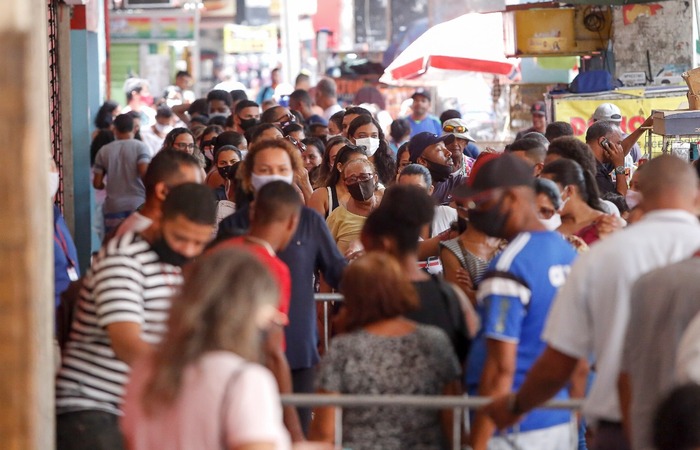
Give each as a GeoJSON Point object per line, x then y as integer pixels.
{"type": "Point", "coordinates": [456, 403]}
{"type": "Point", "coordinates": [326, 298]}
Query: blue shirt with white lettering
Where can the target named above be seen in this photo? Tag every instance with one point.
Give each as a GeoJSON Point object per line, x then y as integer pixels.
{"type": "Point", "coordinates": [513, 302]}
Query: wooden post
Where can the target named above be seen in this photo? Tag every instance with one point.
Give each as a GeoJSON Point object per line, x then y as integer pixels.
{"type": "Point", "coordinates": [26, 249]}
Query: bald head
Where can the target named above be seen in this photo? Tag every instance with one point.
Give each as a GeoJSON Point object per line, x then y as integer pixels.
{"type": "Point", "coordinates": [668, 182]}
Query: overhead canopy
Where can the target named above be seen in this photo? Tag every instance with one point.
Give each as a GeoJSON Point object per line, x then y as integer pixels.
{"type": "Point", "coordinates": [610, 2]}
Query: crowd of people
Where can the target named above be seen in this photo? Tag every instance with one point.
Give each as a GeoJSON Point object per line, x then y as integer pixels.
{"type": "Point", "coordinates": [550, 268]}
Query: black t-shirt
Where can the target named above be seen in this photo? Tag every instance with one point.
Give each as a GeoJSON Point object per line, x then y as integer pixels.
{"type": "Point", "coordinates": [602, 178]}
{"type": "Point", "coordinates": [439, 306]}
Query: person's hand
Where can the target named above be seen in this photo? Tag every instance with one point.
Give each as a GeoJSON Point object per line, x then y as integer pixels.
{"type": "Point", "coordinates": [354, 251]}
{"type": "Point", "coordinates": [607, 224]}
{"type": "Point", "coordinates": [464, 281]}
{"type": "Point", "coordinates": [615, 153]}
{"type": "Point", "coordinates": [499, 411]}
{"type": "Point", "coordinates": [301, 176]}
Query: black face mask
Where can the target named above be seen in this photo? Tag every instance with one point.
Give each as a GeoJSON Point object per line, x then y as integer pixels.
{"type": "Point", "coordinates": [362, 190]}
{"type": "Point", "coordinates": [439, 172]}
{"type": "Point", "coordinates": [491, 221]}
{"type": "Point", "coordinates": [167, 255]}
{"type": "Point", "coordinates": [248, 123]}
{"type": "Point", "coordinates": [226, 172]}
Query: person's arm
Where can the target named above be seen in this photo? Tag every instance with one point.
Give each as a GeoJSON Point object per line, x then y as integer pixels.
{"type": "Point", "coordinates": [549, 375]}
{"type": "Point", "coordinates": [629, 141]}
{"type": "Point", "coordinates": [276, 361]}
{"type": "Point", "coordinates": [496, 380]}
{"type": "Point", "coordinates": [451, 267]}
{"type": "Point", "coordinates": [301, 179]}
{"type": "Point", "coordinates": [98, 180]}
{"type": "Point", "coordinates": [125, 340]}
{"type": "Point", "coordinates": [319, 201]}
{"type": "Point", "coordinates": [181, 112]}
{"type": "Point", "coordinates": [624, 392]}
{"type": "Point", "coordinates": [141, 167]}
{"type": "Point", "coordinates": [329, 259]}
{"type": "Point", "coordinates": [323, 426]}
{"type": "Point", "coordinates": [616, 155]}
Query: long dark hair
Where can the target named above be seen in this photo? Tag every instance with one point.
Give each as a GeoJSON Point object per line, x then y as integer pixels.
{"type": "Point", "coordinates": [568, 172]}
{"type": "Point", "coordinates": [222, 292]}
{"type": "Point", "coordinates": [383, 158]}
{"type": "Point", "coordinates": [326, 167]}
{"type": "Point", "coordinates": [103, 118]}
{"type": "Point", "coordinates": [344, 155]}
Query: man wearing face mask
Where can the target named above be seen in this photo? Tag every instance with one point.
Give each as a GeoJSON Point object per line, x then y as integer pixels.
{"type": "Point", "coordinates": [139, 100]}
{"type": "Point", "coordinates": [154, 135]}
{"type": "Point", "coordinates": [430, 150]}
{"type": "Point", "coordinates": [218, 103]}
{"type": "Point", "coordinates": [514, 298]}
{"type": "Point", "coordinates": [169, 168]}
{"type": "Point", "coordinates": [245, 116]}
{"type": "Point", "coordinates": [122, 312]}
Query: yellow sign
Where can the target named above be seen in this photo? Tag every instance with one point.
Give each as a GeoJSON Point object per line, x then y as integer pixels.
{"type": "Point", "coordinates": [249, 39]}
{"type": "Point", "coordinates": [541, 31]}
{"type": "Point", "coordinates": [634, 112]}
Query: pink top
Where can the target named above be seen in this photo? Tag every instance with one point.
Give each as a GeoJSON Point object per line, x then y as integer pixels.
{"type": "Point", "coordinates": [194, 421]}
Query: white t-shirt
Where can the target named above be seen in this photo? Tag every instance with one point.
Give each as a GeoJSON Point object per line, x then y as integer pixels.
{"type": "Point", "coordinates": [136, 223]}
{"type": "Point", "coordinates": [444, 216]}
{"type": "Point", "coordinates": [151, 139]}
{"type": "Point", "coordinates": [590, 314]}
{"type": "Point", "coordinates": [250, 412]}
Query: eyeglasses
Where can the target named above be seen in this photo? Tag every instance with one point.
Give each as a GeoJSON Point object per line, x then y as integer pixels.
{"type": "Point", "coordinates": [298, 144]}
{"type": "Point", "coordinates": [455, 129]}
{"type": "Point", "coordinates": [545, 213]}
{"type": "Point", "coordinates": [183, 146]}
{"type": "Point", "coordinates": [352, 179]}
{"type": "Point", "coordinates": [285, 120]}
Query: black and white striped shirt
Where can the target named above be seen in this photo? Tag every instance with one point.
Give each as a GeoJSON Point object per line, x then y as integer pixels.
{"type": "Point", "coordinates": [126, 283]}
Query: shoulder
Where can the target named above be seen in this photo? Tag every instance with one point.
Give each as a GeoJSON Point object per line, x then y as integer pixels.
{"type": "Point", "coordinates": [504, 261]}
{"type": "Point", "coordinates": [432, 335]}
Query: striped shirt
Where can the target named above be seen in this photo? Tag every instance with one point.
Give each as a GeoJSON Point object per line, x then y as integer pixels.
{"type": "Point", "coordinates": [126, 283]}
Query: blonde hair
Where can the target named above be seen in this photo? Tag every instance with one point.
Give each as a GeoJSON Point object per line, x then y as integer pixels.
{"type": "Point", "coordinates": [214, 311]}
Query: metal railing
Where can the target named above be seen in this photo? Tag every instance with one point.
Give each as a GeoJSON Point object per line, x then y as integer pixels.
{"type": "Point", "coordinates": [327, 298]}
{"type": "Point", "coordinates": [457, 403]}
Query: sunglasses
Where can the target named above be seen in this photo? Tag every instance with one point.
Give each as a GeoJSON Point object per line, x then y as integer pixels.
{"type": "Point", "coordinates": [286, 120]}
{"type": "Point", "coordinates": [298, 144]}
{"type": "Point", "coordinates": [455, 129]}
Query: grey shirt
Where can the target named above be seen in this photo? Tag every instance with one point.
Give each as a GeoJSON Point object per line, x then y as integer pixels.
{"type": "Point", "coordinates": [662, 304]}
{"type": "Point", "coordinates": [419, 363]}
{"type": "Point", "coordinates": [118, 161]}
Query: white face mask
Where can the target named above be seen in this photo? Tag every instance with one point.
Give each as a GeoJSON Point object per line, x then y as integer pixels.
{"type": "Point", "coordinates": [552, 223]}
{"type": "Point", "coordinates": [163, 129]}
{"type": "Point", "coordinates": [258, 181]}
{"type": "Point", "coordinates": [54, 181]}
{"type": "Point", "coordinates": [370, 144]}
{"type": "Point", "coordinates": [220, 114]}
{"type": "Point", "coordinates": [633, 198]}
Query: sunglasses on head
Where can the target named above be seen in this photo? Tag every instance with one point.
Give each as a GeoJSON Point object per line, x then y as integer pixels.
{"type": "Point", "coordinates": [454, 129]}
{"type": "Point", "coordinates": [286, 120]}
{"type": "Point", "coordinates": [298, 144]}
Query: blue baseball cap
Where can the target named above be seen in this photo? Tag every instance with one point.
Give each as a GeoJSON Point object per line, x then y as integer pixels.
{"type": "Point", "coordinates": [423, 140]}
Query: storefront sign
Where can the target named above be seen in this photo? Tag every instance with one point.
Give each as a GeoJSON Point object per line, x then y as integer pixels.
{"type": "Point", "coordinates": [247, 39]}
{"type": "Point", "coordinates": [634, 112]}
{"type": "Point", "coordinates": [161, 28]}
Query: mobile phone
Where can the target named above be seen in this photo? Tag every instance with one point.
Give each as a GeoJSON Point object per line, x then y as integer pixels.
{"type": "Point", "coordinates": [605, 143]}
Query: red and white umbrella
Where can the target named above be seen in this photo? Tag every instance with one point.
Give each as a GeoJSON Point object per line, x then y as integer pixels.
{"type": "Point", "coordinates": [469, 43]}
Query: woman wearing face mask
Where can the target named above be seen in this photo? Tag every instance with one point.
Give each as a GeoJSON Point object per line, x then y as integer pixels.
{"type": "Point", "coordinates": [226, 159]}
{"type": "Point", "coordinates": [548, 202]}
{"type": "Point", "coordinates": [466, 257]}
{"type": "Point", "coordinates": [581, 210]}
{"type": "Point", "coordinates": [213, 178]}
{"type": "Point", "coordinates": [345, 222]}
{"type": "Point", "coordinates": [197, 390]}
{"type": "Point", "coordinates": [206, 144]}
{"type": "Point", "coordinates": [326, 200]}
{"type": "Point", "coordinates": [365, 131]}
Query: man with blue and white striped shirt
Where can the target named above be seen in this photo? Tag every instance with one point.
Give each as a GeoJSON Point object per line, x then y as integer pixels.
{"type": "Point", "coordinates": [122, 312]}
{"type": "Point", "coordinates": [513, 299]}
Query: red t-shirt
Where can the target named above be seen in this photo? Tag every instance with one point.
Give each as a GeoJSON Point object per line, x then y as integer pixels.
{"type": "Point", "coordinates": [277, 268]}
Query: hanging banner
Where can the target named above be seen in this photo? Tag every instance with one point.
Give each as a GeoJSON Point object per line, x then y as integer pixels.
{"type": "Point", "coordinates": [634, 111]}
{"type": "Point", "coordinates": [250, 39]}
{"type": "Point", "coordinates": [158, 28]}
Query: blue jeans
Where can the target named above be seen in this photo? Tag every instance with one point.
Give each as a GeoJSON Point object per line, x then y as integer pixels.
{"type": "Point", "coordinates": [88, 430]}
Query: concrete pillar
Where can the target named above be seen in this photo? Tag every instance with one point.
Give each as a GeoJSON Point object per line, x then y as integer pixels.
{"type": "Point", "coordinates": [26, 248]}
{"type": "Point", "coordinates": [85, 101]}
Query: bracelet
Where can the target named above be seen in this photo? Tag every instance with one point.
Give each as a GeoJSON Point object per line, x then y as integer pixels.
{"type": "Point", "coordinates": [514, 405]}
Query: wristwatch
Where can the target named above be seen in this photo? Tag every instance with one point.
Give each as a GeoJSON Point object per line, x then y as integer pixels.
{"type": "Point", "coordinates": [620, 170]}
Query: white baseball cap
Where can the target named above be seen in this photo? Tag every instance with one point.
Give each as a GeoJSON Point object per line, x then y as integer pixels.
{"type": "Point", "coordinates": [457, 128]}
{"type": "Point", "coordinates": [607, 111]}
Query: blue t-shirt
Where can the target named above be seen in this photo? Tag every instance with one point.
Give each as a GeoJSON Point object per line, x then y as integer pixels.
{"type": "Point", "coordinates": [312, 248]}
{"type": "Point", "coordinates": [430, 123]}
{"type": "Point", "coordinates": [64, 255]}
{"type": "Point", "coordinates": [513, 302]}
